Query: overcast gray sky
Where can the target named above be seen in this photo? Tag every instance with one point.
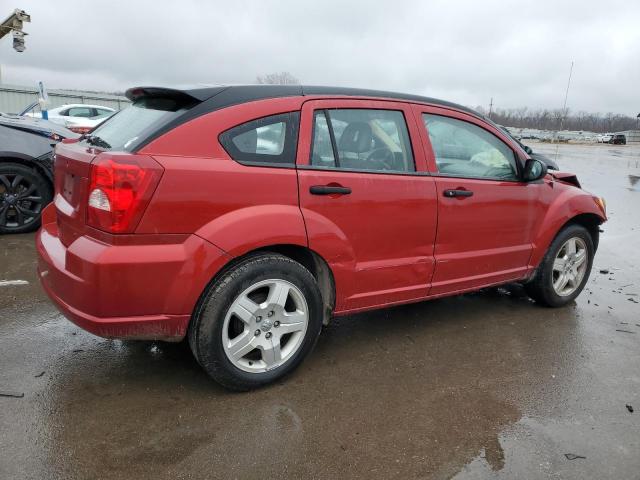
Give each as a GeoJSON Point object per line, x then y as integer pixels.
{"type": "Point", "coordinates": [466, 51]}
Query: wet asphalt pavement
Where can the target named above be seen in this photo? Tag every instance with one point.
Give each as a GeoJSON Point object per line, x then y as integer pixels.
{"type": "Point", "coordinates": [485, 385]}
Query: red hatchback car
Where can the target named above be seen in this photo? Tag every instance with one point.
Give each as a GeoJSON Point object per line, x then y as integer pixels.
{"type": "Point", "coordinates": [245, 217]}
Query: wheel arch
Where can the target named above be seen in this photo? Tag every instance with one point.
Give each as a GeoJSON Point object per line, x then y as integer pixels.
{"type": "Point", "coordinates": [27, 161]}
{"type": "Point", "coordinates": [589, 220]}
{"type": "Point", "coordinates": [318, 267]}
{"type": "Point", "coordinates": [309, 259]}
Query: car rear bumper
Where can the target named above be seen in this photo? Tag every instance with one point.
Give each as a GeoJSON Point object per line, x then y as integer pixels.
{"type": "Point", "coordinates": [145, 327]}
{"type": "Point", "coordinates": [128, 291]}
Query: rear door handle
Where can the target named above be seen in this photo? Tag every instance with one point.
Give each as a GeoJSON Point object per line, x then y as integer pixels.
{"type": "Point", "coordinates": [457, 193]}
{"type": "Point", "coordinates": [329, 190]}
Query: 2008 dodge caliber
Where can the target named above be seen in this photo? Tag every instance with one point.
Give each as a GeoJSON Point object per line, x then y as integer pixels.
{"type": "Point", "coordinates": [244, 217]}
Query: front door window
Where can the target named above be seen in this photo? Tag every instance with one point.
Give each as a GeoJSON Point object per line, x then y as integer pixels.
{"type": "Point", "coordinates": [463, 149]}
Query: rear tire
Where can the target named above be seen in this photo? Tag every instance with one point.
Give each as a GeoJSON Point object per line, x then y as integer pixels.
{"type": "Point", "coordinates": [24, 193]}
{"type": "Point", "coordinates": [563, 272]}
{"type": "Point", "coordinates": [256, 322]}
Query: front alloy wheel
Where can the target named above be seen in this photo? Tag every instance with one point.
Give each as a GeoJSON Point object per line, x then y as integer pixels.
{"type": "Point", "coordinates": [570, 266]}
{"type": "Point", "coordinates": [565, 268]}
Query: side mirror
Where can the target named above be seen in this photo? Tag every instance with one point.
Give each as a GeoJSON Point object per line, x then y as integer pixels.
{"type": "Point", "coordinates": [528, 150]}
{"type": "Point", "coordinates": [534, 170]}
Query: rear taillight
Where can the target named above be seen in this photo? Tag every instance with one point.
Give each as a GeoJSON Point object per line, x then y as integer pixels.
{"type": "Point", "coordinates": [80, 130]}
{"type": "Point", "coordinates": [120, 187]}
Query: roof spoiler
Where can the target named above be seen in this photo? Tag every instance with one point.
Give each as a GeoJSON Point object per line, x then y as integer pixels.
{"type": "Point", "coordinates": [189, 94]}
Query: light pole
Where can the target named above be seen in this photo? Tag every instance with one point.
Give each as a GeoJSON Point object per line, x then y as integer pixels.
{"type": "Point", "coordinates": [13, 24]}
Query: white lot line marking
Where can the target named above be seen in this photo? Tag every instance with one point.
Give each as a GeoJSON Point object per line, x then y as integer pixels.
{"type": "Point", "coordinates": [7, 283]}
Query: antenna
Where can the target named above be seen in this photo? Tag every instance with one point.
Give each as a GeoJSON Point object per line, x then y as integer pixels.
{"type": "Point", "coordinates": [490, 108]}
{"type": "Point", "coordinates": [564, 107]}
{"type": "Point", "coordinates": [566, 94]}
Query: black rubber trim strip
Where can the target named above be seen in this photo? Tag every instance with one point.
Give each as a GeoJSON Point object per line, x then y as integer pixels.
{"type": "Point", "coordinates": [290, 166]}
{"type": "Point", "coordinates": [332, 136]}
{"type": "Point", "coordinates": [355, 170]}
{"type": "Point", "coordinates": [461, 177]}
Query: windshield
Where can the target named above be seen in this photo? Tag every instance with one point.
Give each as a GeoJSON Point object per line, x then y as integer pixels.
{"type": "Point", "coordinates": [127, 128]}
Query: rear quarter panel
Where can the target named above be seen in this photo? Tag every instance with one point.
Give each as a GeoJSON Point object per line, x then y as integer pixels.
{"type": "Point", "coordinates": [203, 191]}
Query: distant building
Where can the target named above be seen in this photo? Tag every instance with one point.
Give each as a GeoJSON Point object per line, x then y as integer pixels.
{"type": "Point", "coordinates": [14, 98]}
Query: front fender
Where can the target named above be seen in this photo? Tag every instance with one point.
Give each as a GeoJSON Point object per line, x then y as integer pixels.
{"type": "Point", "coordinates": [567, 206]}
{"type": "Point", "coordinates": [246, 229]}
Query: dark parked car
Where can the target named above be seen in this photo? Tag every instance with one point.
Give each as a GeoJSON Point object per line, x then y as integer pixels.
{"type": "Point", "coordinates": [26, 169]}
{"type": "Point", "coordinates": [618, 139]}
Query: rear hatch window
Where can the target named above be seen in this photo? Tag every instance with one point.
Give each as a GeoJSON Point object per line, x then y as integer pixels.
{"type": "Point", "coordinates": [125, 130]}
{"type": "Point", "coordinates": [122, 134]}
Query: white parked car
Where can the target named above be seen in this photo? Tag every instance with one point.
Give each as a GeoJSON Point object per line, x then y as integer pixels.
{"type": "Point", "coordinates": [64, 113]}
{"type": "Point", "coordinates": [83, 125]}
{"type": "Point", "coordinates": [604, 138]}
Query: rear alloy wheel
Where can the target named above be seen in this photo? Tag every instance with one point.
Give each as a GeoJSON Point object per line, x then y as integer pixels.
{"type": "Point", "coordinates": [257, 321]}
{"type": "Point", "coordinates": [23, 195]}
{"type": "Point", "coordinates": [565, 268]}
{"type": "Point", "coordinates": [265, 326]}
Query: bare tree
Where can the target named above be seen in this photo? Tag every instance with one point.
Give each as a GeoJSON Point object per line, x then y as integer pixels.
{"type": "Point", "coordinates": [278, 78]}
{"type": "Point", "coordinates": [558, 118]}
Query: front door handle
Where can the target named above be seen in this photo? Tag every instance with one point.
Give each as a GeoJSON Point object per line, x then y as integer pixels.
{"type": "Point", "coordinates": [329, 190]}
{"type": "Point", "coordinates": [457, 193]}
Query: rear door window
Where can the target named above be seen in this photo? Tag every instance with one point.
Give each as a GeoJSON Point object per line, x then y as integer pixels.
{"type": "Point", "coordinates": [361, 140]}
{"type": "Point", "coordinates": [266, 141]}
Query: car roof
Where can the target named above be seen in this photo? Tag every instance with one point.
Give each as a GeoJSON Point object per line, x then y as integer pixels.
{"type": "Point", "coordinates": [222, 96]}
{"type": "Point", "coordinates": [212, 98]}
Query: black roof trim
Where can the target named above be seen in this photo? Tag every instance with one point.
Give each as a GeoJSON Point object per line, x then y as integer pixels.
{"type": "Point", "coordinates": [215, 98]}
{"type": "Point", "coordinates": [363, 92]}
{"type": "Point", "coordinates": [235, 94]}
{"type": "Point", "coordinates": [194, 93]}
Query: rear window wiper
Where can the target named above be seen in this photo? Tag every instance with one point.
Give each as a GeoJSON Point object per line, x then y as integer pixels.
{"type": "Point", "coordinates": [96, 141]}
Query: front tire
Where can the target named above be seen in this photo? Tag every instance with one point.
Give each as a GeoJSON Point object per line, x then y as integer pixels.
{"type": "Point", "coordinates": [257, 322]}
{"type": "Point", "coordinates": [565, 268]}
